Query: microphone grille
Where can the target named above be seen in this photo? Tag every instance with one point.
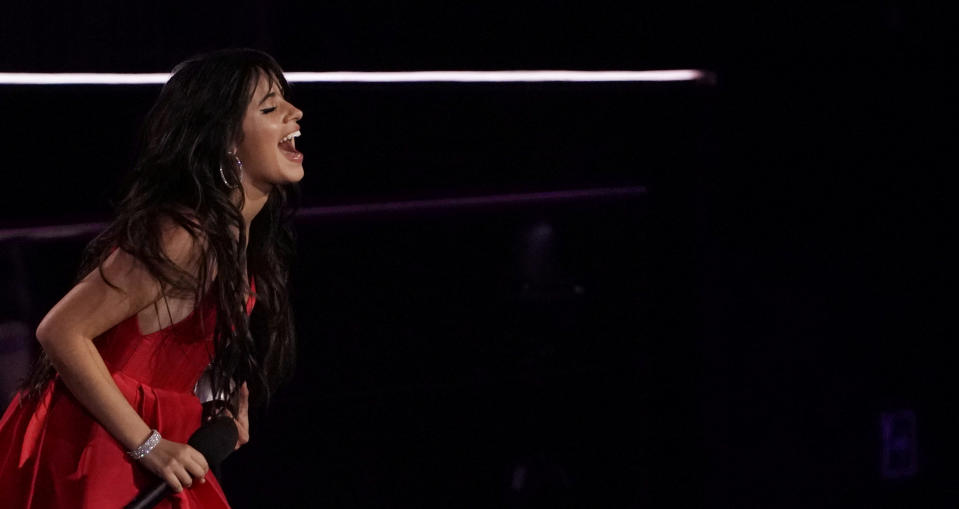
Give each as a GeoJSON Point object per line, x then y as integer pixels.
{"type": "Point", "coordinates": [216, 440]}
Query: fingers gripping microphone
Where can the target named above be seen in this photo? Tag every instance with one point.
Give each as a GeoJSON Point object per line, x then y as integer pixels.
{"type": "Point", "coordinates": [215, 442]}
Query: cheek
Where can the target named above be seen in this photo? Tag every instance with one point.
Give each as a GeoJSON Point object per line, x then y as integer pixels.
{"type": "Point", "coordinates": [261, 151]}
{"type": "Point", "coordinates": [259, 141]}
{"type": "Point", "coordinates": [267, 147]}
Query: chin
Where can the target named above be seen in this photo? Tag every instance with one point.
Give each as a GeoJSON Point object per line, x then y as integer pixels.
{"type": "Point", "coordinates": [289, 173]}
{"type": "Point", "coordinates": [296, 175]}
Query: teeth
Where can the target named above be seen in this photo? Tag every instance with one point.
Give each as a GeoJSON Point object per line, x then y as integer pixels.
{"type": "Point", "coordinates": [290, 136]}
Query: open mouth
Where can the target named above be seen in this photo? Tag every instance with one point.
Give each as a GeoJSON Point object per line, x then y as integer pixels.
{"type": "Point", "coordinates": [288, 147]}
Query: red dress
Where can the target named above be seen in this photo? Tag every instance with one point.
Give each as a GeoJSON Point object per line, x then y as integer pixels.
{"type": "Point", "coordinates": [54, 454]}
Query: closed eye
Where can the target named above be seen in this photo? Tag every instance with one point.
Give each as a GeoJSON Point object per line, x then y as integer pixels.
{"type": "Point", "coordinates": [268, 110]}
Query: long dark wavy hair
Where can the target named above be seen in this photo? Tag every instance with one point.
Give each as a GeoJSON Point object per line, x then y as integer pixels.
{"type": "Point", "coordinates": [182, 147]}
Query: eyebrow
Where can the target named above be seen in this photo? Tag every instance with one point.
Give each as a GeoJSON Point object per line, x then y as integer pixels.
{"type": "Point", "coordinates": [267, 96]}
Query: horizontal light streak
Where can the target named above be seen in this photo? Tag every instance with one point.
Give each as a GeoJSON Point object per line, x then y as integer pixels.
{"type": "Point", "coordinates": [472, 201]}
{"type": "Point", "coordinates": [8, 78]}
{"type": "Point", "coordinates": [90, 229]}
{"type": "Point", "coordinates": [494, 76]}
{"type": "Point", "coordinates": [81, 78]}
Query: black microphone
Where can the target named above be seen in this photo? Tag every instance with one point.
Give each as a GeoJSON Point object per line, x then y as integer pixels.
{"type": "Point", "coordinates": [215, 441]}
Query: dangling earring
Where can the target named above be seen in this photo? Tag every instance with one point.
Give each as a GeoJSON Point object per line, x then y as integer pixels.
{"type": "Point", "coordinates": [239, 166]}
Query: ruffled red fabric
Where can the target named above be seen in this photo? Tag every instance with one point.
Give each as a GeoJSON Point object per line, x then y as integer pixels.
{"type": "Point", "coordinates": [54, 454]}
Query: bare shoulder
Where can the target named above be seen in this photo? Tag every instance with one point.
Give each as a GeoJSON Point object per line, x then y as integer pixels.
{"type": "Point", "coordinates": [121, 287]}
{"type": "Point", "coordinates": [181, 246]}
{"type": "Point", "coordinates": [103, 298]}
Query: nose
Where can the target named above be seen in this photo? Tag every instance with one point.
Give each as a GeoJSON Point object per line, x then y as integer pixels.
{"type": "Point", "coordinates": [295, 113]}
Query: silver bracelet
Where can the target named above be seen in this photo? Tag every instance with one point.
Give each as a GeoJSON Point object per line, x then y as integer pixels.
{"type": "Point", "coordinates": [146, 447]}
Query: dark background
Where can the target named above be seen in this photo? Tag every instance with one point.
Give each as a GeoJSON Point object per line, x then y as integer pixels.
{"type": "Point", "coordinates": [730, 338]}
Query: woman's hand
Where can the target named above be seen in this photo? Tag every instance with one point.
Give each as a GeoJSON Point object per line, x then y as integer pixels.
{"type": "Point", "coordinates": [242, 420]}
{"type": "Point", "coordinates": [177, 464]}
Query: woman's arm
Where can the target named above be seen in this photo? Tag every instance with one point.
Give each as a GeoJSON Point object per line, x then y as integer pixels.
{"type": "Point", "coordinates": [91, 308]}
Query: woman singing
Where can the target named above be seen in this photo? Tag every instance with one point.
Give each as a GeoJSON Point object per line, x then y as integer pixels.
{"type": "Point", "coordinates": [164, 294]}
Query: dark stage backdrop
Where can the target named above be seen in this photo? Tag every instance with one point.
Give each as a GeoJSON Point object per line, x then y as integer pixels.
{"type": "Point", "coordinates": [732, 337]}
